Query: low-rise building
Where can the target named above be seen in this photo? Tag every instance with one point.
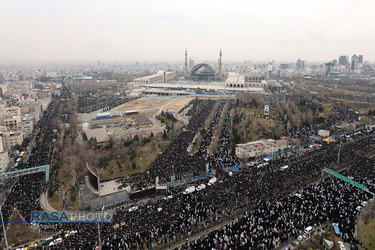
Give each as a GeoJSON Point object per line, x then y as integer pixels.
{"type": "Point", "coordinates": [160, 77]}
{"type": "Point", "coordinates": [26, 125]}
{"type": "Point", "coordinates": [44, 93]}
{"type": "Point", "coordinates": [11, 122]}
{"type": "Point", "coordinates": [235, 80]}
{"type": "Point", "coordinates": [142, 121]}
{"type": "Point", "coordinates": [261, 148]}
{"type": "Point", "coordinates": [100, 134]}
{"type": "Point", "coordinates": [323, 133]}
{"type": "Point", "coordinates": [3, 89]}
{"type": "Point", "coordinates": [4, 161]}
{"type": "Point", "coordinates": [11, 139]}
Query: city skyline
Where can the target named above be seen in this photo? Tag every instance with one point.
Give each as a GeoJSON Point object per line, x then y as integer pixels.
{"type": "Point", "coordinates": [153, 31]}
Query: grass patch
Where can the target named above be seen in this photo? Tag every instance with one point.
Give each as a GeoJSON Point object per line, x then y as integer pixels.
{"type": "Point", "coordinates": [167, 118]}
{"type": "Point", "coordinates": [56, 201]}
{"type": "Point", "coordinates": [21, 233]}
{"type": "Point", "coordinates": [327, 110]}
{"type": "Point", "coordinates": [144, 156]}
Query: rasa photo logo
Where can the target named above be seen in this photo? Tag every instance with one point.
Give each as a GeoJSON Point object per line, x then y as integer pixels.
{"type": "Point", "coordinates": [72, 217]}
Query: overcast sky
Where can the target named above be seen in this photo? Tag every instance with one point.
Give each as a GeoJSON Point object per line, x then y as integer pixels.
{"type": "Point", "coordinates": [137, 30]}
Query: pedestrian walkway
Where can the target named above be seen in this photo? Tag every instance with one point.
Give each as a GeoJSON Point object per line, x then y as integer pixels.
{"type": "Point", "coordinates": [45, 205]}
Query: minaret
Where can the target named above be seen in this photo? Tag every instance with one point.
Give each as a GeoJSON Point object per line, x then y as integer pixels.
{"type": "Point", "coordinates": [220, 62]}
{"type": "Point", "coordinates": [189, 65]}
{"type": "Point", "coordinates": [186, 64]}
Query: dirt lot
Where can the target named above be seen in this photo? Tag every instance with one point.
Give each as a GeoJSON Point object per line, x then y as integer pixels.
{"type": "Point", "coordinates": [154, 106]}
{"type": "Point", "coordinates": [21, 233]}
{"type": "Point", "coordinates": [365, 227]}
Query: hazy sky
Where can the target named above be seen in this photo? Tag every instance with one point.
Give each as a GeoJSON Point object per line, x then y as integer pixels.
{"type": "Point", "coordinates": [137, 30]}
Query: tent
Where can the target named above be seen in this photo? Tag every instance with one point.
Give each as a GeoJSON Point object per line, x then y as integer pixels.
{"type": "Point", "coordinates": [328, 244]}
{"type": "Point", "coordinates": [337, 230]}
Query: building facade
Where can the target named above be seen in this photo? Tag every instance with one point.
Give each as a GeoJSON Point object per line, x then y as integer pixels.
{"type": "Point", "coordinates": [4, 161]}
{"type": "Point", "coordinates": [160, 77]}
{"type": "Point", "coordinates": [261, 148]}
{"type": "Point", "coordinates": [11, 139]}
{"type": "Point", "coordinates": [235, 80]}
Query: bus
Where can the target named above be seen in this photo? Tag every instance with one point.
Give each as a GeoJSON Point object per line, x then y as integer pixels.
{"type": "Point", "coordinates": [22, 155]}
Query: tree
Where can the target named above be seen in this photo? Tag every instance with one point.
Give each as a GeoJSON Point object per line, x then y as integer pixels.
{"type": "Point", "coordinates": [17, 147]}
{"type": "Point", "coordinates": [203, 131]}
{"type": "Point", "coordinates": [51, 192]}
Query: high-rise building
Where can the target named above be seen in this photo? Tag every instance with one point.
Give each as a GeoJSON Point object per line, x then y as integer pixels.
{"type": "Point", "coordinates": [98, 62]}
{"type": "Point", "coordinates": [360, 59]}
{"type": "Point", "coordinates": [343, 60]}
{"type": "Point", "coordinates": [270, 67]}
{"type": "Point", "coordinates": [354, 62]}
{"type": "Point", "coordinates": [20, 78]}
{"type": "Point", "coordinates": [328, 67]}
{"type": "Point", "coordinates": [300, 64]}
{"type": "Point", "coordinates": [284, 66]}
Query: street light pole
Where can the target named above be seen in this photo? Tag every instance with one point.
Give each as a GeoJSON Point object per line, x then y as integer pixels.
{"type": "Point", "coordinates": [338, 156]}
{"type": "Point", "coordinates": [2, 222]}
{"type": "Point", "coordinates": [100, 242]}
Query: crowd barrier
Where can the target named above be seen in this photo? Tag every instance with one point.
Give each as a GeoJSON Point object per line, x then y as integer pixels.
{"type": "Point", "coordinates": [189, 179]}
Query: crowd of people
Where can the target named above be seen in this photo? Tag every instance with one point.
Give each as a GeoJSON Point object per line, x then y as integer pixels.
{"type": "Point", "coordinates": [264, 189]}
{"type": "Point", "coordinates": [176, 159]}
{"type": "Point", "coordinates": [276, 216]}
{"type": "Point", "coordinates": [24, 194]}
{"type": "Point", "coordinates": [302, 133]}
{"type": "Point", "coordinates": [221, 158]}
{"type": "Point", "coordinates": [273, 223]}
{"type": "Point", "coordinates": [207, 138]}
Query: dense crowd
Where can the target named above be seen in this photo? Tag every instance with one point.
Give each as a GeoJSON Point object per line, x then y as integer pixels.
{"type": "Point", "coordinates": [25, 191]}
{"type": "Point", "coordinates": [276, 215]}
{"type": "Point", "coordinates": [88, 103]}
{"type": "Point", "coordinates": [302, 133]}
{"type": "Point", "coordinates": [263, 189]}
{"type": "Point", "coordinates": [176, 159]}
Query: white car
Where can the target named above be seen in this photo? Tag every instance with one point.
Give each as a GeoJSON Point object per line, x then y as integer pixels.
{"type": "Point", "coordinates": [132, 209]}
{"type": "Point", "coordinates": [300, 238]}
{"type": "Point", "coordinates": [212, 181]}
{"type": "Point", "coordinates": [71, 233]}
{"type": "Point", "coordinates": [189, 190]}
{"type": "Point", "coordinates": [201, 187]}
{"type": "Point", "coordinates": [55, 242]}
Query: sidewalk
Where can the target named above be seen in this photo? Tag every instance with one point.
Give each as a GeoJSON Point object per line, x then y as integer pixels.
{"type": "Point", "coordinates": [45, 205]}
